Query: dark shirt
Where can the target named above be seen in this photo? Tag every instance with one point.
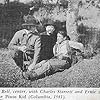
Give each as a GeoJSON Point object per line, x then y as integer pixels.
{"type": "Point", "coordinates": [47, 43]}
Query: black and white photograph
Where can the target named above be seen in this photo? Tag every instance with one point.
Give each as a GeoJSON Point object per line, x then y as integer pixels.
{"type": "Point", "coordinates": [50, 44]}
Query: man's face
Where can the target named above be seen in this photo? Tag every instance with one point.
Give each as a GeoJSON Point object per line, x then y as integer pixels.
{"type": "Point", "coordinates": [60, 38]}
{"type": "Point", "coordinates": [50, 29]}
{"type": "Point", "coordinates": [31, 28]}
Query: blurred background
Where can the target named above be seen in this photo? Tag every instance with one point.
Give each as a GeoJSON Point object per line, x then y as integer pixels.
{"type": "Point", "coordinates": [79, 18]}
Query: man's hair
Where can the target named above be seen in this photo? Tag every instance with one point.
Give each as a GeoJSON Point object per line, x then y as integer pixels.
{"type": "Point", "coordinates": [64, 34]}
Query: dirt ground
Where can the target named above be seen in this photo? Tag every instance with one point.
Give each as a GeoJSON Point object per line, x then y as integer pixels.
{"type": "Point", "coordinates": [85, 73]}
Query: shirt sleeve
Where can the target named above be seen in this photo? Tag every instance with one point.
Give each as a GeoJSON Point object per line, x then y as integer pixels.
{"type": "Point", "coordinates": [76, 45]}
{"type": "Point", "coordinates": [66, 50]}
{"type": "Point", "coordinates": [37, 49]}
{"type": "Point", "coordinates": [15, 40]}
{"type": "Point", "coordinates": [54, 50]}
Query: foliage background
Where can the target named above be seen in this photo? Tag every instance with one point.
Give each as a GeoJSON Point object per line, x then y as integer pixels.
{"type": "Point", "coordinates": [81, 18]}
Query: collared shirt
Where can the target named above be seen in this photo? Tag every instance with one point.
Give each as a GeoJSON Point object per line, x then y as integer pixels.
{"type": "Point", "coordinates": [61, 49]}
{"type": "Point", "coordinates": [20, 38]}
{"type": "Point", "coordinates": [30, 40]}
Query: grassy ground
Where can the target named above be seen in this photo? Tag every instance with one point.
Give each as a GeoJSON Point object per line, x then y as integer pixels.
{"type": "Point", "coordinates": [85, 73]}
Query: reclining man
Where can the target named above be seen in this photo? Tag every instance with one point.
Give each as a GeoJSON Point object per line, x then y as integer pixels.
{"type": "Point", "coordinates": [48, 40]}
{"type": "Point", "coordinates": [26, 45]}
{"type": "Point", "coordinates": [60, 61]}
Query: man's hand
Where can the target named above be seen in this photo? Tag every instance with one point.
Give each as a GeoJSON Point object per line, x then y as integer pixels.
{"type": "Point", "coordinates": [31, 66]}
{"type": "Point", "coordinates": [59, 56]}
{"type": "Point", "coordinates": [22, 48]}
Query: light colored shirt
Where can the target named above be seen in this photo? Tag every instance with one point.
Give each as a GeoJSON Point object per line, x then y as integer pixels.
{"type": "Point", "coordinates": [30, 40]}
{"type": "Point", "coordinates": [76, 45]}
{"type": "Point", "coordinates": [64, 48]}
{"type": "Point", "coordinates": [61, 49]}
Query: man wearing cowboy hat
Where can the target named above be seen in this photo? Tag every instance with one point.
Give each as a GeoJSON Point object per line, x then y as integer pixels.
{"type": "Point", "coordinates": [26, 44]}
{"type": "Point", "coordinates": [48, 40]}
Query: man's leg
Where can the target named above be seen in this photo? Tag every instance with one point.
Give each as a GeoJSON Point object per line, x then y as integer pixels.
{"type": "Point", "coordinates": [17, 56]}
{"type": "Point", "coordinates": [59, 65]}
{"type": "Point", "coordinates": [41, 70]}
{"type": "Point", "coordinates": [51, 65]}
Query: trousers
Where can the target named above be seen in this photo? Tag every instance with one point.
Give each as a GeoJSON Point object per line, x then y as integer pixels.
{"type": "Point", "coordinates": [20, 57]}
{"type": "Point", "coordinates": [51, 66]}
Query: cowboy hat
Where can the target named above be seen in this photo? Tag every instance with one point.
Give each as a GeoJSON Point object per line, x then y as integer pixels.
{"type": "Point", "coordinates": [49, 22]}
{"type": "Point", "coordinates": [30, 21]}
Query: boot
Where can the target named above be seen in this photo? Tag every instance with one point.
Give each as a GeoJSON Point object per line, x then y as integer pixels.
{"type": "Point", "coordinates": [30, 75]}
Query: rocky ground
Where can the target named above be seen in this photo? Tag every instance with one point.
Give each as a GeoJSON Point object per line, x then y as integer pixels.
{"type": "Point", "coordinates": [85, 73]}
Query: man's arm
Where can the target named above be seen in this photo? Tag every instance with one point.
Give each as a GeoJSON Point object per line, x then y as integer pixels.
{"type": "Point", "coordinates": [14, 42]}
{"type": "Point", "coordinates": [37, 50]}
{"type": "Point", "coordinates": [36, 57]}
{"type": "Point", "coordinates": [54, 49]}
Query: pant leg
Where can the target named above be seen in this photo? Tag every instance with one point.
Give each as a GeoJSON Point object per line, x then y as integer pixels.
{"type": "Point", "coordinates": [42, 68]}
{"type": "Point", "coordinates": [21, 59]}
{"type": "Point", "coordinates": [17, 56]}
{"type": "Point", "coordinates": [59, 65]}
{"type": "Point", "coordinates": [52, 65]}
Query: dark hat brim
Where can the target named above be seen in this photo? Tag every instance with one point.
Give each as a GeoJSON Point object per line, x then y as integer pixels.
{"type": "Point", "coordinates": [50, 22]}
{"type": "Point", "coordinates": [29, 24]}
